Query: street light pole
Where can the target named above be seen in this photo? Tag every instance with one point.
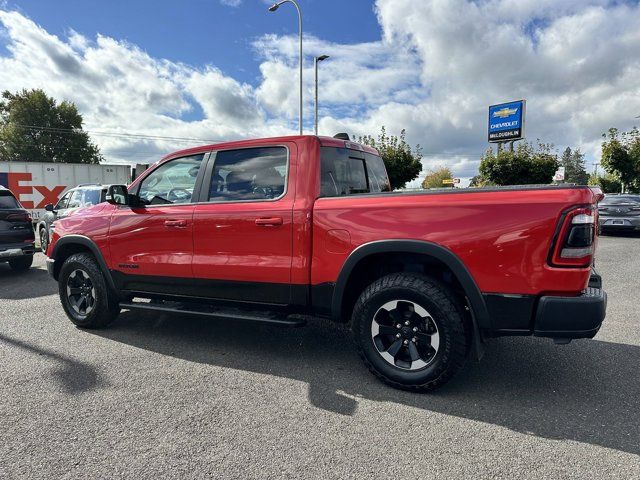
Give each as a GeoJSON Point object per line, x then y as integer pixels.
{"type": "Point", "coordinates": [275, 7]}
{"type": "Point", "coordinates": [315, 65]}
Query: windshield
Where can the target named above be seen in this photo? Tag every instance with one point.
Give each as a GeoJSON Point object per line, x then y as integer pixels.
{"type": "Point", "coordinates": [91, 197]}
{"type": "Point", "coordinates": [7, 200]}
{"type": "Point", "coordinates": [620, 200]}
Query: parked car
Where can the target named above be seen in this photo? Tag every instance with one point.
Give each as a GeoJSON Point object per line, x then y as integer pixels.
{"type": "Point", "coordinates": [619, 213]}
{"type": "Point", "coordinates": [35, 184]}
{"type": "Point", "coordinates": [16, 232]}
{"type": "Point", "coordinates": [78, 197]}
{"type": "Point", "coordinates": [264, 230]}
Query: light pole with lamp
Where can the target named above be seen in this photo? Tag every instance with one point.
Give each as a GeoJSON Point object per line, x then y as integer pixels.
{"type": "Point", "coordinates": [275, 7]}
{"type": "Point", "coordinates": [316, 60]}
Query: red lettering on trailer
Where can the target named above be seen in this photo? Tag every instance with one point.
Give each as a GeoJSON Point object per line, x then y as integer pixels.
{"type": "Point", "coordinates": [14, 180]}
{"type": "Point", "coordinates": [49, 196]}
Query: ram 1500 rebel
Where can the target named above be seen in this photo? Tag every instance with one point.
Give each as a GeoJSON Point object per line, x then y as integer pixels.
{"type": "Point", "coordinates": [273, 229]}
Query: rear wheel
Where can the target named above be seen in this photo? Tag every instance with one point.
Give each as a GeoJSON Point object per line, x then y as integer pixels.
{"type": "Point", "coordinates": [410, 331]}
{"type": "Point", "coordinates": [22, 263]}
{"type": "Point", "coordinates": [86, 298]}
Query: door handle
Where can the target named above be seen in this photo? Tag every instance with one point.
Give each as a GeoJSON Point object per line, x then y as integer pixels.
{"type": "Point", "coordinates": [175, 223]}
{"type": "Point", "coordinates": [269, 222]}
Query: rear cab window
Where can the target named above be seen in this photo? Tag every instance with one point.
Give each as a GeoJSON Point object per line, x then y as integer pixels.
{"type": "Point", "coordinates": [345, 172]}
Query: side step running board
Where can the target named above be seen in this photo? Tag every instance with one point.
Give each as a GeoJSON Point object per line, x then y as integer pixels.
{"type": "Point", "coordinates": [213, 311]}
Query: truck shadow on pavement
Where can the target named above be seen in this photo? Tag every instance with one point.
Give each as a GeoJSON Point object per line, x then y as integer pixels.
{"type": "Point", "coordinates": [587, 391]}
{"type": "Point", "coordinates": [32, 283]}
{"type": "Point", "coordinates": [73, 376]}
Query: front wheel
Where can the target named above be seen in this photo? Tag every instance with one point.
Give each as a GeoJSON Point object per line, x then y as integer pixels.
{"type": "Point", "coordinates": [411, 332]}
{"type": "Point", "coordinates": [44, 239]}
{"type": "Point", "coordinates": [86, 298]}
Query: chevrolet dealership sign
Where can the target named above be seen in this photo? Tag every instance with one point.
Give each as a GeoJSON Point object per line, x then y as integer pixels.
{"type": "Point", "coordinates": [506, 121]}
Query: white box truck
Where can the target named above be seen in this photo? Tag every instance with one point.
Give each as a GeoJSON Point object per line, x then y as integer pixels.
{"type": "Point", "coordinates": [35, 184]}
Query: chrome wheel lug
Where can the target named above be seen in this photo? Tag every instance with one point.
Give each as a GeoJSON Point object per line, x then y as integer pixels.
{"type": "Point", "coordinates": [398, 335]}
{"type": "Point", "coordinates": [414, 339]}
{"type": "Point", "coordinates": [406, 342]}
{"type": "Point", "coordinates": [407, 323]}
{"type": "Point", "coordinates": [415, 329]}
{"type": "Point", "coordinates": [398, 326]}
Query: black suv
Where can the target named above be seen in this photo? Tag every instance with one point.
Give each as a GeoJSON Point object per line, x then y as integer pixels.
{"type": "Point", "coordinates": [83, 195]}
{"type": "Point", "coordinates": [16, 232]}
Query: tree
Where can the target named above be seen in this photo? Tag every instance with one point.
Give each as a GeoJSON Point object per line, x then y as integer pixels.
{"type": "Point", "coordinates": [480, 181]}
{"type": "Point", "coordinates": [573, 163]}
{"type": "Point", "coordinates": [525, 165]}
{"type": "Point", "coordinates": [608, 183]}
{"type": "Point", "coordinates": [402, 163]}
{"type": "Point", "coordinates": [35, 128]}
{"type": "Point", "coordinates": [621, 157]}
{"type": "Point", "coordinates": [435, 177]}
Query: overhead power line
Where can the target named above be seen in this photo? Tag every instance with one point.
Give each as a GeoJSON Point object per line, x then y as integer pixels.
{"type": "Point", "coordinates": [139, 136]}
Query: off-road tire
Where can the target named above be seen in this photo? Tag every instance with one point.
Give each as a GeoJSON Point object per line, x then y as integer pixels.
{"type": "Point", "coordinates": [21, 264]}
{"type": "Point", "coordinates": [105, 308]}
{"type": "Point", "coordinates": [445, 308]}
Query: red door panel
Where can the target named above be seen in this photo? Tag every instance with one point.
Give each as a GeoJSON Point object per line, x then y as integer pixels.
{"type": "Point", "coordinates": [243, 248]}
{"type": "Point", "coordinates": [155, 240]}
{"type": "Point", "coordinates": [243, 241]}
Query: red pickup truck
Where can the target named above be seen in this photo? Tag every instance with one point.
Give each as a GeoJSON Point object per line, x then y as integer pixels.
{"type": "Point", "coordinates": [276, 229]}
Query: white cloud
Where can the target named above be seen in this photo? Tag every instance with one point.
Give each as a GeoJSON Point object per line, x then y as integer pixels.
{"type": "Point", "coordinates": [434, 71]}
{"type": "Point", "coordinates": [231, 3]}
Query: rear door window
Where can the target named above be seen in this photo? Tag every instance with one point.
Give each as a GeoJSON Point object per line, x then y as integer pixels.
{"type": "Point", "coordinates": [7, 200]}
{"type": "Point", "coordinates": [249, 174]}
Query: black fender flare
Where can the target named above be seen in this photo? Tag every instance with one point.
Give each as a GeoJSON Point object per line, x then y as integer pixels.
{"type": "Point", "coordinates": [480, 314]}
{"type": "Point", "coordinates": [89, 244]}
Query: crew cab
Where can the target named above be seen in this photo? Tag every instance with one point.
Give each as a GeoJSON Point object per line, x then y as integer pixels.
{"type": "Point", "coordinates": [273, 230]}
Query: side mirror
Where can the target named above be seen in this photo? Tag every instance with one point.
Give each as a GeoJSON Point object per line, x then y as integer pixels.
{"type": "Point", "coordinates": [49, 207]}
{"type": "Point", "coordinates": [117, 195]}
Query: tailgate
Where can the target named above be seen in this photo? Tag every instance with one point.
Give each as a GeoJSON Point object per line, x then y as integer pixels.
{"type": "Point", "coordinates": [15, 227]}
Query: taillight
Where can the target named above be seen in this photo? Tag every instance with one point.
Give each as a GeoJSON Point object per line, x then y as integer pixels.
{"type": "Point", "coordinates": [574, 243]}
{"type": "Point", "coordinates": [19, 217]}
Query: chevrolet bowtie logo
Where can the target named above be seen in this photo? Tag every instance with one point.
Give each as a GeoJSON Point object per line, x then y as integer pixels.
{"type": "Point", "coordinates": [505, 112]}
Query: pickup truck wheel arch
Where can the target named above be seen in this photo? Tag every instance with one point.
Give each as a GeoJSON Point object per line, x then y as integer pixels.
{"type": "Point", "coordinates": [479, 312]}
{"type": "Point", "coordinates": [70, 244]}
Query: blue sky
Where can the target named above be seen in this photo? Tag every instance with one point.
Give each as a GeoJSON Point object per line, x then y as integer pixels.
{"type": "Point", "coordinates": [204, 31]}
{"type": "Point", "coordinates": [202, 69]}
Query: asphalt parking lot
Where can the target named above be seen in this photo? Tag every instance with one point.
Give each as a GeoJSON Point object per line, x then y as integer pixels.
{"type": "Point", "coordinates": [169, 397]}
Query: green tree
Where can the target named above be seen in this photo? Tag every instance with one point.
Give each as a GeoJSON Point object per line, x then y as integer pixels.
{"type": "Point", "coordinates": [574, 170]}
{"type": "Point", "coordinates": [525, 165]}
{"type": "Point", "coordinates": [480, 181]}
{"type": "Point", "coordinates": [621, 157]}
{"type": "Point", "coordinates": [402, 162]}
{"type": "Point", "coordinates": [608, 183]}
{"type": "Point", "coordinates": [35, 128]}
{"type": "Point", "coordinates": [435, 177]}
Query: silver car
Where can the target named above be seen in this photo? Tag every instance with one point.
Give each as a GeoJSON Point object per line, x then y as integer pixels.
{"type": "Point", "coordinates": [619, 212]}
